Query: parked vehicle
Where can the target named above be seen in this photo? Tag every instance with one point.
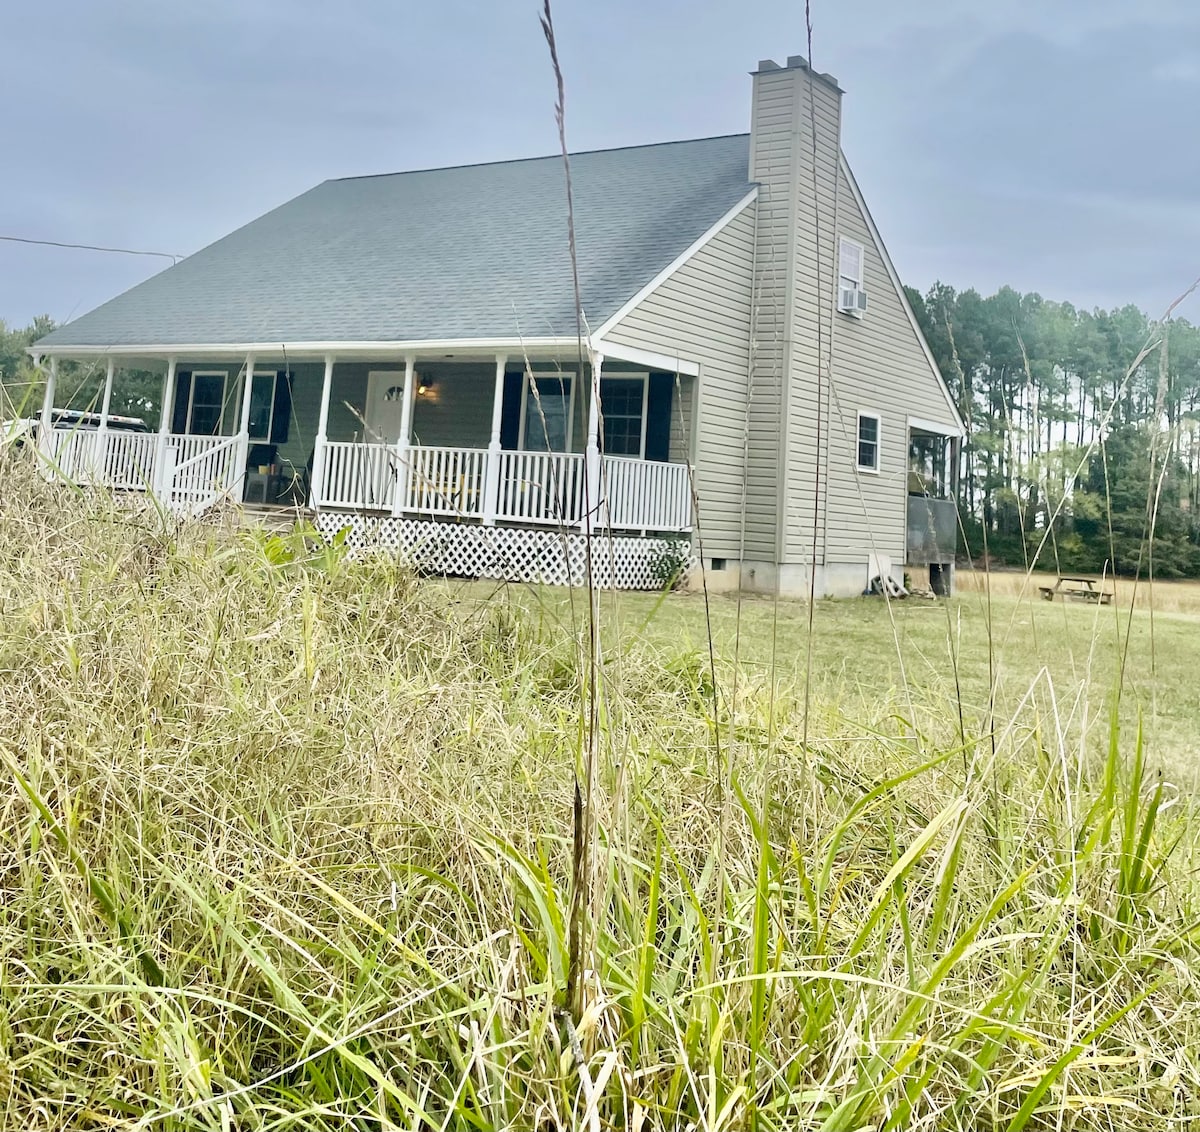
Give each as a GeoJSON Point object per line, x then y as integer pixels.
{"type": "Point", "coordinates": [18, 431]}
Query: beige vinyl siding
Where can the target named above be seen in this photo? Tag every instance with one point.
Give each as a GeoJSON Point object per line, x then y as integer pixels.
{"type": "Point", "coordinates": [815, 273]}
{"type": "Point", "coordinates": [879, 365]}
{"type": "Point", "coordinates": [701, 313]}
{"type": "Point", "coordinates": [776, 162]}
{"type": "Point", "coordinates": [794, 156]}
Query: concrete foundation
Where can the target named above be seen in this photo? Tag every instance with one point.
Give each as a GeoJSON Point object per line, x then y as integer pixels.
{"type": "Point", "coordinates": [833, 579]}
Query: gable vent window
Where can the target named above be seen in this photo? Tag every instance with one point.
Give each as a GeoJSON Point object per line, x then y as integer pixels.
{"type": "Point", "coordinates": [868, 442]}
{"type": "Point", "coordinates": [852, 293]}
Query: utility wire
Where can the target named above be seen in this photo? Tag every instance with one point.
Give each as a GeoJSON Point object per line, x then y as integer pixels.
{"type": "Point", "coordinates": [90, 247]}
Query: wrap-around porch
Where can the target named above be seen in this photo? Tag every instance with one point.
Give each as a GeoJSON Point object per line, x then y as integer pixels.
{"type": "Point", "coordinates": [493, 441]}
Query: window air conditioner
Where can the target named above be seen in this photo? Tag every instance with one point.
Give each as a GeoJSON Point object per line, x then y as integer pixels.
{"type": "Point", "coordinates": [852, 301]}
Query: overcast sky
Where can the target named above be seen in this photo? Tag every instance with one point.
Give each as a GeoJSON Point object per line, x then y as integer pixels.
{"type": "Point", "coordinates": [1052, 146]}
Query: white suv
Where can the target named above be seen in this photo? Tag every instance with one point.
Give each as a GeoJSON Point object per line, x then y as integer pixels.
{"type": "Point", "coordinates": [16, 432]}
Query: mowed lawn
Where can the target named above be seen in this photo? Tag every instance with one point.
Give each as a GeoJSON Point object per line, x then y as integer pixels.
{"type": "Point", "coordinates": [1063, 658]}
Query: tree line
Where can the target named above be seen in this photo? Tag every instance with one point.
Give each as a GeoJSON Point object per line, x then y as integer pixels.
{"type": "Point", "coordinates": [1084, 430]}
{"type": "Point", "coordinates": [80, 385]}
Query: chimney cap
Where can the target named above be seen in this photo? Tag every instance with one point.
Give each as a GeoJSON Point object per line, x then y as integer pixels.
{"type": "Point", "coordinates": [796, 63]}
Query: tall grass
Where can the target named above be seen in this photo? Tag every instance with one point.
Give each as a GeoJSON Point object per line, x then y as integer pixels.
{"type": "Point", "coordinates": [285, 843]}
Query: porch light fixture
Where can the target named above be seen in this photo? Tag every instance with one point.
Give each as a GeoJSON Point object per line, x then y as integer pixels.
{"type": "Point", "coordinates": [424, 385]}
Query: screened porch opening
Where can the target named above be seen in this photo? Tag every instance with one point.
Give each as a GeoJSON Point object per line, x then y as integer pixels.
{"type": "Point", "coordinates": [932, 519]}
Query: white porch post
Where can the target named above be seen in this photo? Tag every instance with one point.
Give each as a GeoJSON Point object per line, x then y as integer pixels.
{"type": "Point", "coordinates": [244, 431]}
{"type": "Point", "coordinates": [318, 468]}
{"type": "Point", "coordinates": [595, 514]}
{"type": "Point", "coordinates": [106, 402]}
{"type": "Point", "coordinates": [100, 455]}
{"type": "Point", "coordinates": [491, 487]}
{"type": "Point", "coordinates": [46, 439]}
{"type": "Point", "coordinates": [404, 438]}
{"type": "Point", "coordinates": [162, 478]}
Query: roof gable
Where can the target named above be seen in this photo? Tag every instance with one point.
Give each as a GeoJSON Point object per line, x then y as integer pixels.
{"type": "Point", "coordinates": [470, 252]}
{"type": "Point", "coordinates": [933, 378]}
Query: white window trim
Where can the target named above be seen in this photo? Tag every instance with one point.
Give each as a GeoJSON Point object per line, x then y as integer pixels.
{"type": "Point", "coordinates": [934, 426]}
{"type": "Point", "coordinates": [859, 282]}
{"type": "Point", "coordinates": [645, 380]}
{"type": "Point", "coordinates": [553, 375]}
{"type": "Point", "coordinates": [223, 374]}
{"type": "Point", "coordinates": [869, 414]}
{"type": "Point", "coordinates": [274, 375]}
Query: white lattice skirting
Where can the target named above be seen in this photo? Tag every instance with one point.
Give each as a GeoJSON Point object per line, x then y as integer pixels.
{"type": "Point", "coordinates": [513, 554]}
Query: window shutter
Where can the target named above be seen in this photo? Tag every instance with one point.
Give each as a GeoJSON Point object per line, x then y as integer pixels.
{"type": "Point", "coordinates": [658, 416]}
{"type": "Point", "coordinates": [281, 411]}
{"type": "Point", "coordinates": [510, 412]}
{"type": "Point", "coordinates": [183, 389]}
{"type": "Point", "coordinates": [850, 259]}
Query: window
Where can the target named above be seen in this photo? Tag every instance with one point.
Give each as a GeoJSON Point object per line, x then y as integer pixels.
{"type": "Point", "coordinates": [546, 418]}
{"type": "Point", "coordinates": [206, 403]}
{"type": "Point", "coordinates": [850, 265]}
{"type": "Point", "coordinates": [262, 406]}
{"type": "Point", "coordinates": [623, 408]}
{"type": "Point", "coordinates": [868, 442]}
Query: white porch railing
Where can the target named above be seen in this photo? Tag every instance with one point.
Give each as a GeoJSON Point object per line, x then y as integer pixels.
{"type": "Point", "coordinates": [198, 470]}
{"type": "Point", "coordinates": [116, 458]}
{"type": "Point", "coordinates": [538, 488]}
{"type": "Point", "coordinates": [357, 476]}
{"type": "Point", "coordinates": [73, 451]}
{"type": "Point", "coordinates": [201, 469]}
{"type": "Point", "coordinates": [128, 460]}
{"type": "Point", "coordinates": [541, 487]}
{"type": "Point", "coordinates": [647, 494]}
{"type": "Point", "coordinates": [445, 481]}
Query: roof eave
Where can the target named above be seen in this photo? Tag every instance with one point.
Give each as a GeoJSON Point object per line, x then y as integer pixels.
{"type": "Point", "coordinates": [298, 349]}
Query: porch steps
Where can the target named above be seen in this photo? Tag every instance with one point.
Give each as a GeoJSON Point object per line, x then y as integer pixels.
{"type": "Point", "coordinates": [273, 518]}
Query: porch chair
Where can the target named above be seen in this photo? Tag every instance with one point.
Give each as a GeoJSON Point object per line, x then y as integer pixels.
{"type": "Point", "coordinates": [258, 456]}
{"type": "Point", "coordinates": [295, 483]}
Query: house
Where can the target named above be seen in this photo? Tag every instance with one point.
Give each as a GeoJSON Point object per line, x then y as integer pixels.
{"type": "Point", "coordinates": [400, 353]}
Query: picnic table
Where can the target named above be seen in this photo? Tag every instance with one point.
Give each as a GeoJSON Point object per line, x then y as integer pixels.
{"type": "Point", "coordinates": [1077, 589]}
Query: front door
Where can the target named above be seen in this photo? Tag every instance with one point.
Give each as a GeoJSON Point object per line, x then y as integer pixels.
{"type": "Point", "coordinates": [385, 405]}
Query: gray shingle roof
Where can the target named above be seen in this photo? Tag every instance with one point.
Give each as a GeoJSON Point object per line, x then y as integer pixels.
{"type": "Point", "coordinates": [471, 252]}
